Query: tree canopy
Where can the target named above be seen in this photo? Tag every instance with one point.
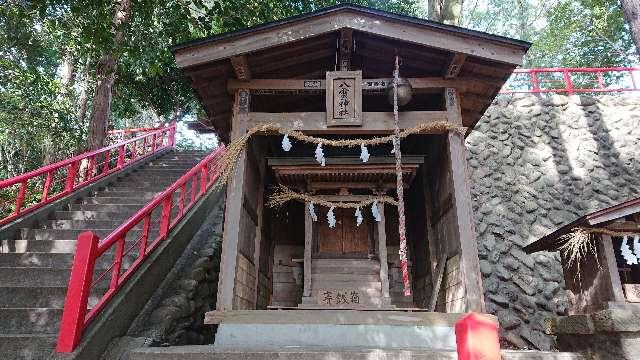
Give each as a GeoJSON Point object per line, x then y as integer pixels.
{"type": "Point", "coordinates": [50, 51]}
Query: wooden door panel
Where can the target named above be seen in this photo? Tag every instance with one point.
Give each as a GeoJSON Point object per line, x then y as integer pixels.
{"type": "Point", "coordinates": [330, 240]}
{"type": "Point", "coordinates": [356, 239]}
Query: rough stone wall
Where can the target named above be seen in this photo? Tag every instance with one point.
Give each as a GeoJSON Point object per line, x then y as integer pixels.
{"type": "Point", "coordinates": [535, 165]}
{"type": "Point", "coordinates": [175, 313]}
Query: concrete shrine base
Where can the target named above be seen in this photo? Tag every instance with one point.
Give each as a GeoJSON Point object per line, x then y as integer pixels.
{"type": "Point", "coordinates": [268, 330]}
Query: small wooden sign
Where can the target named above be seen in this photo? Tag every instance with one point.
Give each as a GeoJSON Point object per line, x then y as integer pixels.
{"type": "Point", "coordinates": [338, 297]}
{"type": "Point", "coordinates": [632, 292]}
{"type": "Point", "coordinates": [344, 98]}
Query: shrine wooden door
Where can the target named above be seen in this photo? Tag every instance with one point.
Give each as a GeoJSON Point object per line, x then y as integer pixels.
{"type": "Point", "coordinates": [345, 240]}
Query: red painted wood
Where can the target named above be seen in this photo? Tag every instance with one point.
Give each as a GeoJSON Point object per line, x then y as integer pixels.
{"type": "Point", "coordinates": [116, 238]}
{"type": "Point", "coordinates": [568, 86]}
{"type": "Point", "coordinates": [72, 165]}
{"type": "Point", "coordinates": [72, 324]}
{"type": "Point", "coordinates": [477, 338]}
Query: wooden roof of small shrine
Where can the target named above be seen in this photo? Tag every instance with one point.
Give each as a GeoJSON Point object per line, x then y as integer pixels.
{"type": "Point", "coordinates": [343, 172]}
{"type": "Point", "coordinates": [609, 218]}
{"type": "Point", "coordinates": [304, 47]}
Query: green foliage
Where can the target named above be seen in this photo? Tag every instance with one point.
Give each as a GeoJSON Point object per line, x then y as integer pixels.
{"type": "Point", "coordinates": [565, 33]}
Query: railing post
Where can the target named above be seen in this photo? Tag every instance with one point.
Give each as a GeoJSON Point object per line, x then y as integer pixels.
{"type": "Point", "coordinates": [20, 199]}
{"type": "Point", "coordinates": [477, 338]}
{"type": "Point", "coordinates": [121, 156]}
{"type": "Point", "coordinates": [71, 177]}
{"type": "Point", "coordinates": [155, 142]}
{"type": "Point", "coordinates": [47, 186]}
{"type": "Point", "coordinates": [172, 135]}
{"type": "Point", "coordinates": [567, 81]}
{"type": "Point", "coordinates": [536, 83]}
{"type": "Point", "coordinates": [75, 305]}
{"type": "Point", "coordinates": [165, 219]}
{"type": "Point", "coordinates": [203, 178]}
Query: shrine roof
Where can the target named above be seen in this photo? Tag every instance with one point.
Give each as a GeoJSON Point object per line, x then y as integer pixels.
{"type": "Point", "coordinates": [347, 172]}
{"type": "Point", "coordinates": [304, 47]}
{"type": "Point", "coordinates": [600, 218]}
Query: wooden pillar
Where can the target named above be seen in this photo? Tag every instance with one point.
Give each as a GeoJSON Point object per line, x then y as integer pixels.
{"type": "Point", "coordinates": [382, 255]}
{"type": "Point", "coordinates": [610, 268]}
{"type": "Point", "coordinates": [233, 209]}
{"type": "Point", "coordinates": [463, 211]}
{"type": "Point", "coordinates": [259, 211]}
{"type": "Point", "coordinates": [308, 248]}
{"type": "Point", "coordinates": [595, 283]}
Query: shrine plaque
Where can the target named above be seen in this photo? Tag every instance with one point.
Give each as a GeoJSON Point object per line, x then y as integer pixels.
{"type": "Point", "coordinates": [632, 292]}
{"type": "Point", "coordinates": [344, 98]}
{"type": "Point", "coordinates": [334, 297]}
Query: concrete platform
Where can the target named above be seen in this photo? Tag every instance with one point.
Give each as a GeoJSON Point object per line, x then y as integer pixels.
{"type": "Point", "coordinates": [273, 330]}
{"type": "Point", "coordinates": [202, 352]}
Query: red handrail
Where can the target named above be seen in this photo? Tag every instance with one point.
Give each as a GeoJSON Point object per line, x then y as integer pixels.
{"type": "Point", "coordinates": [76, 172]}
{"type": "Point", "coordinates": [572, 80]}
{"type": "Point", "coordinates": [121, 134]}
{"type": "Point", "coordinates": [154, 221]}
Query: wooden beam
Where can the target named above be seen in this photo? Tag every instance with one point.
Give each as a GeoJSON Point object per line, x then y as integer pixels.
{"type": "Point", "coordinates": [610, 268]}
{"type": "Point", "coordinates": [382, 255]}
{"type": "Point", "coordinates": [367, 84]}
{"type": "Point", "coordinates": [463, 224]}
{"type": "Point", "coordinates": [372, 122]}
{"type": "Point", "coordinates": [420, 34]}
{"type": "Point", "coordinates": [233, 210]}
{"type": "Point", "coordinates": [260, 215]}
{"type": "Point", "coordinates": [346, 43]}
{"type": "Point", "coordinates": [452, 101]}
{"type": "Point", "coordinates": [454, 66]}
{"type": "Point", "coordinates": [293, 60]}
{"type": "Point", "coordinates": [308, 248]}
{"type": "Point", "coordinates": [241, 67]}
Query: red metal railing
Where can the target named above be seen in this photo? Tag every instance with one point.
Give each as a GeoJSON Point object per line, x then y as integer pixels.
{"type": "Point", "coordinates": [572, 80]}
{"type": "Point", "coordinates": [49, 183]}
{"type": "Point", "coordinates": [100, 268]}
{"type": "Point", "coordinates": [123, 134]}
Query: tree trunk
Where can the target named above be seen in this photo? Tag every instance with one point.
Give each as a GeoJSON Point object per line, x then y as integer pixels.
{"type": "Point", "coordinates": [631, 9]}
{"type": "Point", "coordinates": [445, 11]}
{"type": "Point", "coordinates": [105, 76]}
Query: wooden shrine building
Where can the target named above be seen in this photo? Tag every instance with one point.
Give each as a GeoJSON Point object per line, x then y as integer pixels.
{"type": "Point", "coordinates": [603, 284]}
{"type": "Point", "coordinates": [290, 73]}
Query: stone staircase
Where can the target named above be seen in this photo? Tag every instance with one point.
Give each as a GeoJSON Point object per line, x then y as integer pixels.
{"type": "Point", "coordinates": [207, 352]}
{"type": "Point", "coordinates": [356, 281]}
{"type": "Point", "coordinates": [35, 267]}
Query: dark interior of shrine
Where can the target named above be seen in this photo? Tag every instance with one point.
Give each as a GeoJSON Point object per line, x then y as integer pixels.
{"type": "Point", "coordinates": [283, 231]}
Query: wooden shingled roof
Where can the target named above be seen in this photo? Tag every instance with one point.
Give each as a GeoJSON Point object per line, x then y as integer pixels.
{"type": "Point", "coordinates": [304, 47]}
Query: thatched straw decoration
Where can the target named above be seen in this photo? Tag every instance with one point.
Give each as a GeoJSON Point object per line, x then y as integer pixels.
{"type": "Point", "coordinates": [580, 242]}
{"type": "Point", "coordinates": [229, 160]}
{"type": "Point", "coordinates": [283, 194]}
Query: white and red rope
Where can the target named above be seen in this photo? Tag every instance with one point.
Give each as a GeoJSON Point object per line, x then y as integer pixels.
{"type": "Point", "coordinates": [399, 185]}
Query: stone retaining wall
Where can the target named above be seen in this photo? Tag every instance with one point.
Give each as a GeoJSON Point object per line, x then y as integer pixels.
{"type": "Point", "coordinates": [536, 164]}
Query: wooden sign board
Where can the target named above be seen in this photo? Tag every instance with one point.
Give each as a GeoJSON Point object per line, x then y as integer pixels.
{"type": "Point", "coordinates": [338, 297]}
{"type": "Point", "coordinates": [632, 292]}
{"type": "Point", "coordinates": [344, 98]}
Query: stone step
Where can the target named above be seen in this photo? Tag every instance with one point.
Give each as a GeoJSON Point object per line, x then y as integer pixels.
{"type": "Point", "coordinates": [37, 297]}
{"type": "Point", "coordinates": [82, 215]}
{"type": "Point", "coordinates": [356, 270]}
{"type": "Point", "coordinates": [344, 277]}
{"type": "Point", "coordinates": [27, 346]}
{"type": "Point", "coordinates": [70, 234]}
{"type": "Point", "coordinates": [58, 260]}
{"type": "Point", "coordinates": [113, 200]}
{"type": "Point", "coordinates": [104, 207]}
{"type": "Point", "coordinates": [35, 276]}
{"type": "Point", "coordinates": [344, 285]}
{"type": "Point", "coordinates": [67, 246]}
{"type": "Point", "coordinates": [30, 320]}
{"type": "Point", "coordinates": [202, 352]}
